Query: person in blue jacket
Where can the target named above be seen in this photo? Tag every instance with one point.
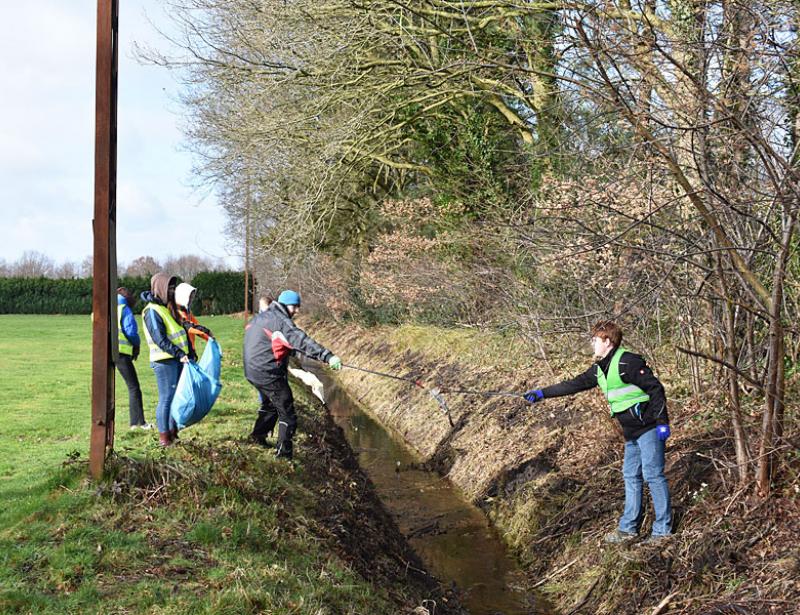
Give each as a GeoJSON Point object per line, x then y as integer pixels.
{"type": "Point", "coordinates": [129, 343]}
{"type": "Point", "coordinates": [169, 348]}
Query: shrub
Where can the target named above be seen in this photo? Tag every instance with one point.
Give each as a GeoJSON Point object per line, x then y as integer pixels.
{"type": "Point", "coordinates": [221, 292]}
{"type": "Point", "coordinates": [218, 293]}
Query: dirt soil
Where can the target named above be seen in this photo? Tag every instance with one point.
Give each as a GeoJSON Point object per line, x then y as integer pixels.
{"type": "Point", "coordinates": [359, 528]}
{"type": "Point", "coordinates": [549, 477]}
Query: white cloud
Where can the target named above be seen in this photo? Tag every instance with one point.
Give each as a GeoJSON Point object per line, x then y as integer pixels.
{"type": "Point", "coordinates": [47, 141]}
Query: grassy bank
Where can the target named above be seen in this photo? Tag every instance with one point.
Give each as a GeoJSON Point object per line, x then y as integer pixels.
{"type": "Point", "coordinates": [549, 476]}
{"type": "Point", "coordinates": [214, 525]}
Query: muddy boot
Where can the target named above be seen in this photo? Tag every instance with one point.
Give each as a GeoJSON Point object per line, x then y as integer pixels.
{"type": "Point", "coordinates": [258, 440]}
{"type": "Point", "coordinates": [657, 540]}
{"type": "Point", "coordinates": [284, 447]}
{"type": "Point", "coordinates": [617, 537]}
{"type": "Point", "coordinates": [164, 438]}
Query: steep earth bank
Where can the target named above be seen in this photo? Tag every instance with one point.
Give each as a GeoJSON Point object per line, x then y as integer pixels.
{"type": "Point", "coordinates": [549, 476]}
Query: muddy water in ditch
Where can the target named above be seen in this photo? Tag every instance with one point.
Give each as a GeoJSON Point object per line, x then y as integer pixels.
{"type": "Point", "coordinates": [451, 536]}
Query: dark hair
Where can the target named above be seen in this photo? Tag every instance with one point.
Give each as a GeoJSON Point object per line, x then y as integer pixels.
{"type": "Point", "coordinates": [130, 298]}
{"type": "Point", "coordinates": [608, 330]}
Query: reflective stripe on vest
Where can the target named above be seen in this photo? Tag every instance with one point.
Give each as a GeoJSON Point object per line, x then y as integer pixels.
{"type": "Point", "coordinates": [620, 395]}
{"type": "Point", "coordinates": [175, 333]}
{"type": "Point", "coordinates": [125, 346]}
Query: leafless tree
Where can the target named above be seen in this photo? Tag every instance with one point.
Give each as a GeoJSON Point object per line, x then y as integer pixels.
{"type": "Point", "coordinates": [188, 265]}
{"type": "Point", "coordinates": [33, 264]}
{"type": "Point", "coordinates": [87, 267]}
{"type": "Point", "coordinates": [649, 162]}
{"type": "Point", "coordinates": [66, 271]}
{"type": "Point", "coordinates": [144, 266]}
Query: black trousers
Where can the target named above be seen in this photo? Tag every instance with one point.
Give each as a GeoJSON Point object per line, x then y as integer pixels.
{"type": "Point", "coordinates": [128, 370]}
{"type": "Point", "coordinates": [277, 406]}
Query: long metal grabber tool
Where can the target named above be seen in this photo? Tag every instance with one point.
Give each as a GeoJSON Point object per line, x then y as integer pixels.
{"type": "Point", "coordinates": [432, 392]}
{"type": "Point", "coordinates": [483, 393]}
{"type": "Point", "coordinates": [436, 393]}
{"type": "Point", "coordinates": [408, 379]}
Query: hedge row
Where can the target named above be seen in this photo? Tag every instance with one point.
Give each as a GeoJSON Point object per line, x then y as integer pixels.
{"type": "Point", "coordinates": [218, 292]}
{"type": "Point", "coordinates": [221, 292]}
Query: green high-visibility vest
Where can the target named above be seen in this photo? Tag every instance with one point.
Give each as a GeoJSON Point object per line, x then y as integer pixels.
{"type": "Point", "coordinates": [125, 346]}
{"type": "Point", "coordinates": [620, 395]}
{"type": "Point", "coordinates": [175, 333]}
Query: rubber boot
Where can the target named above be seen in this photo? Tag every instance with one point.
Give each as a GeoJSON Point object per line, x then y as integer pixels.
{"type": "Point", "coordinates": [164, 438]}
{"type": "Point", "coordinates": [284, 447]}
{"type": "Point", "coordinates": [258, 440]}
{"type": "Point", "coordinates": [173, 434]}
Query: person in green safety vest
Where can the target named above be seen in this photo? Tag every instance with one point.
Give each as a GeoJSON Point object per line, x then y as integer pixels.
{"type": "Point", "coordinates": [639, 404]}
{"type": "Point", "coordinates": [169, 348]}
{"type": "Point", "coordinates": [129, 343]}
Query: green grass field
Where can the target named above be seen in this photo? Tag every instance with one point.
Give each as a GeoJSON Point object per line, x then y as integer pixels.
{"type": "Point", "coordinates": [45, 401]}
{"type": "Point", "coordinates": [214, 525]}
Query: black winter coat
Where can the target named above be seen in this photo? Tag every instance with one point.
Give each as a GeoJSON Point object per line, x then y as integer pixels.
{"type": "Point", "coordinates": [633, 370]}
{"type": "Point", "coordinates": [270, 339]}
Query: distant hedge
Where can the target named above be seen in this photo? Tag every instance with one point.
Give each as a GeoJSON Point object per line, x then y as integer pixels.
{"type": "Point", "coordinates": [219, 292]}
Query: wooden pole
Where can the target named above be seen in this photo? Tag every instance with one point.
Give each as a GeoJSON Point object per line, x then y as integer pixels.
{"type": "Point", "coordinates": [104, 321]}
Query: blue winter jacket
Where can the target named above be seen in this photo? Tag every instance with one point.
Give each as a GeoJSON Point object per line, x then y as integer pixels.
{"type": "Point", "coordinates": [128, 323]}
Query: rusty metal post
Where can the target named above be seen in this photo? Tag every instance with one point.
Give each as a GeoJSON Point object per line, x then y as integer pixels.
{"type": "Point", "coordinates": [104, 320]}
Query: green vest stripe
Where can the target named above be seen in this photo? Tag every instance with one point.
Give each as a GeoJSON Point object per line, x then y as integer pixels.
{"type": "Point", "coordinates": [620, 395]}
{"type": "Point", "coordinates": [175, 333]}
{"type": "Point", "coordinates": [125, 347]}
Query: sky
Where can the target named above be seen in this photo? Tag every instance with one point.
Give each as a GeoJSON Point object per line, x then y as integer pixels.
{"type": "Point", "coordinates": [47, 86]}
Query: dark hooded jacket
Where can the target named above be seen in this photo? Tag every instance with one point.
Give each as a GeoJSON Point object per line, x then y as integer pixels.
{"type": "Point", "coordinates": [159, 294]}
{"type": "Point", "coordinates": [632, 370]}
{"type": "Point", "coordinates": [269, 340]}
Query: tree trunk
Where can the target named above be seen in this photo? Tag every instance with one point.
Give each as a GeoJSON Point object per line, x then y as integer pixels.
{"type": "Point", "coordinates": [766, 453]}
{"type": "Point", "coordinates": [731, 356]}
{"type": "Point", "coordinates": [772, 424]}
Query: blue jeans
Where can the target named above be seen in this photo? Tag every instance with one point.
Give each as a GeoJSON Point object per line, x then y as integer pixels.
{"type": "Point", "coordinates": [644, 459]}
{"type": "Point", "coordinates": [167, 373]}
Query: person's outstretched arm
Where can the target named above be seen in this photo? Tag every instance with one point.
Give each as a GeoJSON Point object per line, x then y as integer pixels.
{"type": "Point", "coordinates": [583, 382]}
{"type": "Point", "coordinates": [303, 343]}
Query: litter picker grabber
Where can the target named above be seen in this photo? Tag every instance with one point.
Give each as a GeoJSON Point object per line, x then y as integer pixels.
{"type": "Point", "coordinates": [436, 393]}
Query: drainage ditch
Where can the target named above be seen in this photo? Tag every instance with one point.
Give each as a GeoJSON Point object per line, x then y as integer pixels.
{"type": "Point", "coordinates": [451, 536]}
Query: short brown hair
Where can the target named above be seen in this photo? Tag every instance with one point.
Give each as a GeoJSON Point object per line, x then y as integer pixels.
{"type": "Point", "coordinates": [128, 295]}
{"type": "Point", "coordinates": [609, 330]}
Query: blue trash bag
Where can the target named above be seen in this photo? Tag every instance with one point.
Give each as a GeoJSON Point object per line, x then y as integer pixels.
{"type": "Point", "coordinates": [198, 387]}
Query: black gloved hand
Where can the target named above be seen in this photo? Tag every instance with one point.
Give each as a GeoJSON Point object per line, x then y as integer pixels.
{"type": "Point", "coordinates": [135, 352]}
{"type": "Point", "coordinates": [203, 329]}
